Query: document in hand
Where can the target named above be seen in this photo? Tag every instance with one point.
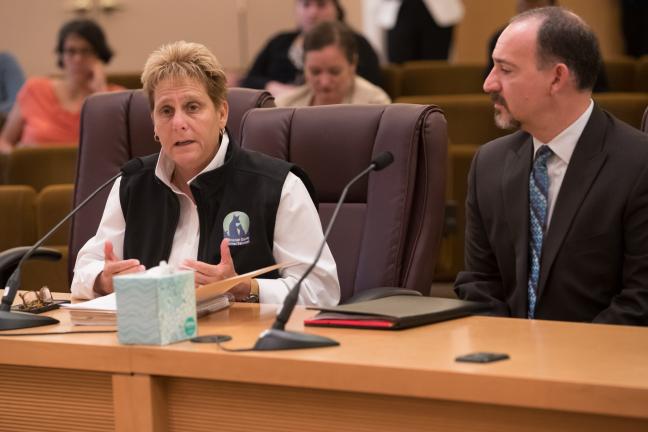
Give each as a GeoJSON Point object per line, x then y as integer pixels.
{"type": "Point", "coordinates": [204, 292]}
{"type": "Point", "coordinates": [393, 313]}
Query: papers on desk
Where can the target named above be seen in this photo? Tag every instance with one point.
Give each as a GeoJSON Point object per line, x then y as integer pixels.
{"type": "Point", "coordinates": [102, 311]}
{"type": "Point", "coordinates": [209, 298]}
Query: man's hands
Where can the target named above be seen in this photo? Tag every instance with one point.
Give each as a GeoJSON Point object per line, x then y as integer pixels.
{"type": "Point", "coordinates": [113, 266]}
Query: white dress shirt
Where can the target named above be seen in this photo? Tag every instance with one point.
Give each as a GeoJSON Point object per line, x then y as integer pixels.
{"type": "Point", "coordinates": [297, 236]}
{"type": "Point", "coordinates": [563, 146]}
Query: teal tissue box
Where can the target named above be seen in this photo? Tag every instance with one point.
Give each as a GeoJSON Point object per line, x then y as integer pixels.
{"type": "Point", "coordinates": [155, 307]}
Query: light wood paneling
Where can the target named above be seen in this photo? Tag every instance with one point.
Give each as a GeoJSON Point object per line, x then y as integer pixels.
{"type": "Point", "coordinates": [140, 403]}
{"type": "Point", "coordinates": [196, 405]}
{"type": "Point", "coordinates": [43, 399]}
{"type": "Point", "coordinates": [237, 29]}
{"type": "Point", "coordinates": [482, 18]}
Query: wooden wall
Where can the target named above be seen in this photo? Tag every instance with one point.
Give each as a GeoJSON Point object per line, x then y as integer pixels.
{"type": "Point", "coordinates": [484, 17]}
{"type": "Point", "coordinates": [236, 29]}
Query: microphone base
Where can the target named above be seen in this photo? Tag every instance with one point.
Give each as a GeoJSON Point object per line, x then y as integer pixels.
{"type": "Point", "coordinates": [19, 320]}
{"type": "Point", "coordinates": [273, 340]}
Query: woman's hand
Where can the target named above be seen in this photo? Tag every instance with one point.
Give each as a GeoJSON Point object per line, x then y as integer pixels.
{"type": "Point", "coordinates": [113, 266]}
{"type": "Point", "coordinates": [277, 88]}
{"type": "Point", "coordinates": [208, 273]}
{"type": "Point", "coordinates": [12, 130]}
{"type": "Point", "coordinates": [97, 82]}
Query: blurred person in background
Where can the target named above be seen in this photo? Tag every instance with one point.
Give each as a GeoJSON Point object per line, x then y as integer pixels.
{"type": "Point", "coordinates": [422, 30]}
{"type": "Point", "coordinates": [48, 109]}
{"type": "Point", "coordinates": [330, 60]}
{"type": "Point", "coordinates": [279, 66]}
{"type": "Point", "coordinates": [11, 79]}
{"type": "Point", "coordinates": [634, 17]}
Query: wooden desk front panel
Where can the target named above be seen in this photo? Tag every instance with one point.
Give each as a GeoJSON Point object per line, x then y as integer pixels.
{"type": "Point", "coordinates": [200, 405]}
{"type": "Point", "coordinates": [561, 376]}
{"type": "Point", "coordinates": [48, 399]}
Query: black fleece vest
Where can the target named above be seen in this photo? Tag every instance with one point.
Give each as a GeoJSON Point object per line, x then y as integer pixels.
{"type": "Point", "coordinates": [238, 200]}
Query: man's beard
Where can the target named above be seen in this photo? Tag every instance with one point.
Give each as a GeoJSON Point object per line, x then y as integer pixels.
{"type": "Point", "coordinates": [503, 117]}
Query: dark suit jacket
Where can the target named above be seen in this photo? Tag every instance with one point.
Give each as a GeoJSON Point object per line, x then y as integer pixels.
{"type": "Point", "coordinates": [594, 264]}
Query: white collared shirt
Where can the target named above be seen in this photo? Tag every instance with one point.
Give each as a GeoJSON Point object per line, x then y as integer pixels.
{"type": "Point", "coordinates": [563, 146]}
{"type": "Point", "coordinates": [297, 236]}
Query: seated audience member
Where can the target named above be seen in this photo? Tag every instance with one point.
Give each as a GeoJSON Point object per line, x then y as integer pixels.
{"type": "Point", "coordinates": [279, 66]}
{"type": "Point", "coordinates": [557, 212]}
{"type": "Point", "coordinates": [11, 79]}
{"type": "Point", "coordinates": [48, 110]}
{"type": "Point", "coordinates": [416, 34]}
{"type": "Point", "coordinates": [330, 59]}
{"type": "Point", "coordinates": [634, 16]}
{"type": "Point", "coordinates": [203, 203]}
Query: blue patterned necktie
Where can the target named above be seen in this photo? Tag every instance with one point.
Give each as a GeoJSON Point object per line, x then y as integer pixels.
{"type": "Point", "coordinates": [538, 203]}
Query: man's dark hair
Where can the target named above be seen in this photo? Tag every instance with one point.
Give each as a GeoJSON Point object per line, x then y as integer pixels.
{"type": "Point", "coordinates": [88, 30]}
{"type": "Point", "coordinates": [564, 37]}
{"type": "Point", "coordinates": [332, 33]}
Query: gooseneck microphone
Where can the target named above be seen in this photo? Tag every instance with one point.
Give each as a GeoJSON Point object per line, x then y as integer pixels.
{"type": "Point", "coordinates": [277, 338]}
{"type": "Point", "coordinates": [15, 320]}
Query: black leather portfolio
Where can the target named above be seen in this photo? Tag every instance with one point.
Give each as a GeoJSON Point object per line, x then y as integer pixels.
{"type": "Point", "coordinates": [394, 313]}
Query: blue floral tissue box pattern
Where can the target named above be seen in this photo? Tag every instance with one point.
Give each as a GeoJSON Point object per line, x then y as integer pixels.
{"type": "Point", "coordinates": [155, 307]}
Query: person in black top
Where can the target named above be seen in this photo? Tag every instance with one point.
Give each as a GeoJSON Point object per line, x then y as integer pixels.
{"type": "Point", "coordinates": [417, 36]}
{"type": "Point", "coordinates": [278, 68]}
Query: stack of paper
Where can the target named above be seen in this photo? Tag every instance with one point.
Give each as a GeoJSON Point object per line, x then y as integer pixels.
{"type": "Point", "coordinates": [213, 304]}
{"type": "Point", "coordinates": [102, 311]}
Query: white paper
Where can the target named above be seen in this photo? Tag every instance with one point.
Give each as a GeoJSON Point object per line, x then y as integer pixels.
{"type": "Point", "coordinates": [104, 303]}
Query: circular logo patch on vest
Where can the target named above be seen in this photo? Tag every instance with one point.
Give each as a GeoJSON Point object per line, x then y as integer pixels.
{"type": "Point", "coordinates": [236, 228]}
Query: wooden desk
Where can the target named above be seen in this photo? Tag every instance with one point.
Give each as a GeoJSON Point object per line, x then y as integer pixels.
{"type": "Point", "coordinates": [561, 376]}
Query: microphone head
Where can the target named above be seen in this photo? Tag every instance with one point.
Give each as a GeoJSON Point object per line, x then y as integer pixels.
{"type": "Point", "coordinates": [132, 166]}
{"type": "Point", "coordinates": [383, 160]}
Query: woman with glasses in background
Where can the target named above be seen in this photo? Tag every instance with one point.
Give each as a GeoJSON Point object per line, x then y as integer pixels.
{"type": "Point", "coordinates": [48, 109]}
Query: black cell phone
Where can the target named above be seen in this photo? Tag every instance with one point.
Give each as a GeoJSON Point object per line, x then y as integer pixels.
{"type": "Point", "coordinates": [482, 357]}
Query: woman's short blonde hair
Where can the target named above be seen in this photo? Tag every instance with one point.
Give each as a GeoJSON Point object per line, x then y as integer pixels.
{"type": "Point", "coordinates": [185, 60]}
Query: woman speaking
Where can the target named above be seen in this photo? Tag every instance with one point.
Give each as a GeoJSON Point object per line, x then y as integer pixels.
{"type": "Point", "coordinates": [205, 203]}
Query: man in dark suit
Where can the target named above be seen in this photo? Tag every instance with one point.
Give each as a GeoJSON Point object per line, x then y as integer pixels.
{"type": "Point", "coordinates": [557, 212]}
